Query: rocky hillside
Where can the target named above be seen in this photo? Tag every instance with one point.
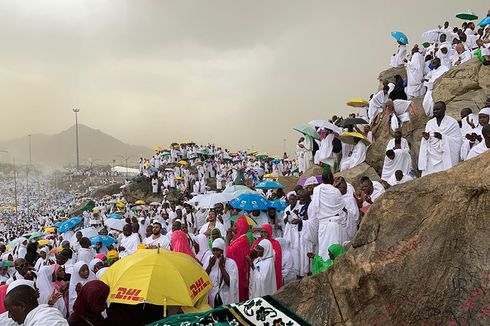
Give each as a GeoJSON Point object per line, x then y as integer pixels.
{"type": "Point", "coordinates": [420, 257]}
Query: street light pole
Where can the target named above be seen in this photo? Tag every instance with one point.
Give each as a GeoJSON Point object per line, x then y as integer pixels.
{"type": "Point", "coordinates": [76, 132]}
{"type": "Point", "coordinates": [126, 158]}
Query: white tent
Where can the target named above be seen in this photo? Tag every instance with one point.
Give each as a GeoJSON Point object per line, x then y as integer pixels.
{"type": "Point", "coordinates": [122, 170]}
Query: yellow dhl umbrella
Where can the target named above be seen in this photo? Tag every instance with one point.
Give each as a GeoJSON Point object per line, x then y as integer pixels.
{"type": "Point", "coordinates": [183, 162]}
{"type": "Point", "coordinates": [139, 202]}
{"type": "Point", "coordinates": [358, 103]}
{"type": "Point", "coordinates": [158, 148]}
{"type": "Point", "coordinates": [160, 277]}
{"type": "Point", "coordinates": [348, 138]}
{"type": "Point", "coordinates": [50, 229]}
{"type": "Point", "coordinates": [43, 242]}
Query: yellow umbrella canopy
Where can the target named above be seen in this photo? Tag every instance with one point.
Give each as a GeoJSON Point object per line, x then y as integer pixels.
{"type": "Point", "coordinates": [159, 277]}
{"type": "Point", "coordinates": [157, 148]}
{"type": "Point", "coordinates": [358, 103]}
{"type": "Point", "coordinates": [139, 202]}
{"type": "Point", "coordinates": [183, 162]}
{"type": "Point", "coordinates": [270, 176]}
{"type": "Point", "coordinates": [43, 242]}
{"type": "Point", "coordinates": [50, 229]}
{"type": "Point", "coordinates": [348, 138]}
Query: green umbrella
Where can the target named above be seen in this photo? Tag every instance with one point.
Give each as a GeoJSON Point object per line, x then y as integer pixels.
{"type": "Point", "coordinates": [307, 130]}
{"type": "Point", "coordinates": [35, 235]}
{"type": "Point", "coordinates": [261, 156]}
{"type": "Point", "coordinates": [135, 208]}
{"type": "Point", "coordinates": [467, 16]}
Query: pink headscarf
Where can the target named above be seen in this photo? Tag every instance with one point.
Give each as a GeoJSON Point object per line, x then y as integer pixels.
{"type": "Point", "coordinates": [179, 243]}
{"type": "Point", "coordinates": [3, 294]}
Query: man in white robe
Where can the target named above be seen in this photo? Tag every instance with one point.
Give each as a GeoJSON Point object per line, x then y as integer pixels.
{"type": "Point", "coordinates": [474, 136]}
{"type": "Point", "coordinates": [23, 307]}
{"type": "Point", "coordinates": [398, 178]}
{"type": "Point", "coordinates": [330, 211]}
{"type": "Point", "coordinates": [483, 146]}
{"type": "Point", "coordinates": [397, 159]}
{"type": "Point", "coordinates": [441, 142]}
{"type": "Point", "coordinates": [325, 152]}
{"type": "Point", "coordinates": [377, 103]}
{"type": "Point", "coordinates": [157, 240]}
{"type": "Point", "coordinates": [350, 205]}
{"type": "Point", "coordinates": [398, 142]}
{"type": "Point", "coordinates": [129, 241]}
{"type": "Point", "coordinates": [400, 111]}
{"type": "Point", "coordinates": [430, 78]}
{"type": "Point", "coordinates": [356, 157]}
{"type": "Point", "coordinates": [223, 273]}
{"type": "Point", "coordinates": [461, 55]}
{"type": "Point", "coordinates": [154, 185]}
{"type": "Point", "coordinates": [398, 59]}
{"type": "Point", "coordinates": [307, 146]}
{"type": "Point", "coordinates": [291, 233]}
{"type": "Point", "coordinates": [415, 74]}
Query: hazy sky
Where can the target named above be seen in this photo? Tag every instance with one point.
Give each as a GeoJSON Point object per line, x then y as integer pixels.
{"type": "Point", "coordinates": [237, 73]}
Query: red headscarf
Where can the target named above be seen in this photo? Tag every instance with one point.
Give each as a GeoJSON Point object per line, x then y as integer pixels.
{"type": "Point", "coordinates": [277, 253]}
{"type": "Point", "coordinates": [89, 303]}
{"type": "Point", "coordinates": [239, 250]}
{"type": "Point", "coordinates": [179, 243]}
{"type": "Point", "coordinates": [3, 294]}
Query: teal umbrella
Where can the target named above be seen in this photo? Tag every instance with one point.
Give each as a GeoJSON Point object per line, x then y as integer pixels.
{"type": "Point", "coordinates": [467, 16]}
{"type": "Point", "coordinates": [35, 235]}
{"type": "Point", "coordinates": [484, 22]}
{"type": "Point", "coordinates": [307, 130]}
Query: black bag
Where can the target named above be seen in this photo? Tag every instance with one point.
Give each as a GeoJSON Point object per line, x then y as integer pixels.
{"type": "Point", "coordinates": [218, 302]}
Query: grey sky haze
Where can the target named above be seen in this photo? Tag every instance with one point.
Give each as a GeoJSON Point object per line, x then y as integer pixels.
{"type": "Point", "coordinates": [237, 73]}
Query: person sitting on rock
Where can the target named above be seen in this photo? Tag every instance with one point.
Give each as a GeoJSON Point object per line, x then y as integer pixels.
{"type": "Point", "coordinates": [396, 159]}
{"type": "Point", "coordinates": [398, 178]}
{"type": "Point", "coordinates": [482, 146]}
{"type": "Point", "coordinates": [474, 136]}
{"type": "Point", "coordinates": [368, 191]}
{"type": "Point", "coordinates": [398, 142]}
{"type": "Point", "coordinates": [319, 265]}
{"type": "Point", "coordinates": [400, 112]}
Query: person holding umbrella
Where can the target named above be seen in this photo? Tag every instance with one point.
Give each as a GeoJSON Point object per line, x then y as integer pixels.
{"type": "Point", "coordinates": [398, 59]}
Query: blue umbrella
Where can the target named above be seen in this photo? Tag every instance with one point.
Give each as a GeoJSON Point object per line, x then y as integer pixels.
{"type": "Point", "coordinates": [276, 160]}
{"type": "Point", "coordinates": [400, 37]}
{"type": "Point", "coordinates": [269, 185]}
{"type": "Point", "coordinates": [485, 21]}
{"type": "Point", "coordinates": [70, 224]}
{"type": "Point", "coordinates": [58, 224]}
{"type": "Point", "coordinates": [250, 202]}
{"type": "Point", "coordinates": [279, 205]}
{"type": "Point", "coordinates": [105, 239]}
{"type": "Point", "coordinates": [116, 216]}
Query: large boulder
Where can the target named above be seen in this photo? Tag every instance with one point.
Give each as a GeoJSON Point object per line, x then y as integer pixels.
{"type": "Point", "coordinates": [420, 257]}
{"type": "Point", "coordinates": [314, 170]}
{"type": "Point", "coordinates": [389, 75]}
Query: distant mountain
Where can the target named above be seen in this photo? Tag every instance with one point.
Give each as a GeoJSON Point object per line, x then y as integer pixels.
{"type": "Point", "coordinates": [95, 147]}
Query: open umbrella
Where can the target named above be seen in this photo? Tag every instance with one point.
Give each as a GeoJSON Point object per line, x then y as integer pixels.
{"type": "Point", "coordinates": [116, 216]}
{"type": "Point", "coordinates": [155, 203]}
{"type": "Point", "coordinates": [348, 138]}
{"type": "Point", "coordinates": [158, 148]}
{"type": "Point", "coordinates": [115, 224]}
{"type": "Point", "coordinates": [277, 160]}
{"type": "Point", "coordinates": [139, 202]}
{"type": "Point", "coordinates": [43, 242]}
{"type": "Point", "coordinates": [357, 103]}
{"type": "Point", "coordinates": [249, 220]}
{"type": "Point", "coordinates": [35, 235]}
{"type": "Point", "coordinates": [105, 239]}
{"type": "Point", "coordinates": [261, 155]}
{"type": "Point", "coordinates": [209, 200]}
{"type": "Point", "coordinates": [159, 277]}
{"type": "Point", "coordinates": [485, 21]}
{"type": "Point", "coordinates": [353, 121]}
{"type": "Point", "coordinates": [88, 232]}
{"type": "Point", "coordinates": [303, 180]}
{"type": "Point", "coordinates": [136, 208]}
{"type": "Point", "coordinates": [237, 190]}
{"type": "Point", "coordinates": [182, 162]}
{"type": "Point", "coordinates": [279, 205]}
{"type": "Point", "coordinates": [269, 185]}
{"type": "Point", "coordinates": [250, 202]}
{"type": "Point", "coordinates": [51, 229]}
{"type": "Point", "coordinates": [307, 130]}
{"type": "Point", "coordinates": [324, 124]}
{"type": "Point", "coordinates": [70, 224]}
{"type": "Point", "coordinates": [270, 176]}
{"type": "Point", "coordinates": [432, 36]}
{"type": "Point", "coordinates": [468, 15]}
{"type": "Point", "coordinates": [400, 37]}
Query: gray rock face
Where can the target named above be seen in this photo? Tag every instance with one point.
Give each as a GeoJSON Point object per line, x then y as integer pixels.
{"type": "Point", "coordinates": [420, 257]}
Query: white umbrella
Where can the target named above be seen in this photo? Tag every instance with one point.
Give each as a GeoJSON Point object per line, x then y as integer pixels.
{"type": "Point", "coordinates": [237, 190]}
{"type": "Point", "coordinates": [432, 36]}
{"type": "Point", "coordinates": [155, 203]}
{"type": "Point", "coordinates": [209, 200]}
{"type": "Point", "coordinates": [194, 200]}
{"type": "Point", "coordinates": [115, 224]}
{"type": "Point", "coordinates": [324, 124]}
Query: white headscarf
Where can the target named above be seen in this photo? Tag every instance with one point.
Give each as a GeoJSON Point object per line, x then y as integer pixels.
{"type": "Point", "coordinates": [92, 264]}
{"type": "Point", "coordinates": [263, 276]}
{"type": "Point", "coordinates": [485, 111]}
{"type": "Point", "coordinates": [219, 243]}
{"type": "Point", "coordinates": [74, 280]}
{"type": "Point", "coordinates": [203, 244]}
{"type": "Point", "coordinates": [17, 283]}
{"type": "Point", "coordinates": [44, 283]}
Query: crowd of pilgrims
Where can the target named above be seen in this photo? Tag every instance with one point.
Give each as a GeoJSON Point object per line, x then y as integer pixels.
{"type": "Point", "coordinates": [246, 253]}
